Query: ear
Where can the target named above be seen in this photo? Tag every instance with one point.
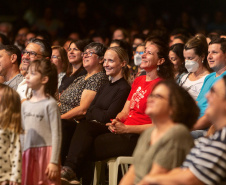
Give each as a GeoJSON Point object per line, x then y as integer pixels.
{"type": "Point", "coordinates": [45, 79]}
{"type": "Point", "coordinates": [123, 64]}
{"type": "Point", "coordinates": [203, 57]}
{"type": "Point", "coordinates": [101, 60]}
{"type": "Point", "coordinates": [13, 58]}
{"type": "Point", "coordinates": [160, 61]}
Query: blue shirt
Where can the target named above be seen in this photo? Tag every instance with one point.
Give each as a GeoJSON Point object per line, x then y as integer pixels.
{"type": "Point", "coordinates": [208, 83]}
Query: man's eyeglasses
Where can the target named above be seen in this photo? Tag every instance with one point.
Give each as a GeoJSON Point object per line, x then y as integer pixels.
{"type": "Point", "coordinates": [55, 57]}
{"type": "Point", "coordinates": [89, 54]}
{"type": "Point", "coordinates": [31, 53]}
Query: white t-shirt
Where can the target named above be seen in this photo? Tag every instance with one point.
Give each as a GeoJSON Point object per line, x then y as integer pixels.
{"type": "Point", "coordinates": [193, 87]}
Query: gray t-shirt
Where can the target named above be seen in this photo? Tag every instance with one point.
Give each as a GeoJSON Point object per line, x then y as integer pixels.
{"type": "Point", "coordinates": [168, 152]}
{"type": "Point", "coordinates": [15, 81]}
{"type": "Point", "coordinates": [42, 125]}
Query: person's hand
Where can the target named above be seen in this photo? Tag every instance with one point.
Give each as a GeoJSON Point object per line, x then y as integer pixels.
{"type": "Point", "coordinates": [52, 171]}
{"type": "Point", "coordinates": [117, 127]}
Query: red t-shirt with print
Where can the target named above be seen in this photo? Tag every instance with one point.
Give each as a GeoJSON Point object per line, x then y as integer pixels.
{"type": "Point", "coordinates": [138, 100]}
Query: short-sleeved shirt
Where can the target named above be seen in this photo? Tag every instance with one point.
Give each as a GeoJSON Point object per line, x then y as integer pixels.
{"type": "Point", "coordinates": [168, 152]}
{"type": "Point", "coordinates": [15, 81]}
{"type": "Point", "coordinates": [71, 97]}
{"type": "Point", "coordinates": [208, 83]}
{"type": "Point", "coordinates": [138, 100]}
{"type": "Point", "coordinates": [193, 87]}
{"type": "Point", "coordinates": [207, 160]}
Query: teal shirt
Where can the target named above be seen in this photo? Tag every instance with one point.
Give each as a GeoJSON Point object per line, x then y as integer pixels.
{"type": "Point", "coordinates": [208, 83]}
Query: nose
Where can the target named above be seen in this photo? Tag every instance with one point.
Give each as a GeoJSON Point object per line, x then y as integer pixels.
{"type": "Point", "coordinates": [105, 63]}
{"type": "Point", "coordinates": [26, 55]}
{"type": "Point", "coordinates": [209, 56]}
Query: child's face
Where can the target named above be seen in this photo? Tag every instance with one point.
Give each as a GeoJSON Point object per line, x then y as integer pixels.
{"type": "Point", "coordinates": [33, 79]}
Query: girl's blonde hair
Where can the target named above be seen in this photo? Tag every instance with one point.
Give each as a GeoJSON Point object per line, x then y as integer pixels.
{"type": "Point", "coordinates": [10, 109]}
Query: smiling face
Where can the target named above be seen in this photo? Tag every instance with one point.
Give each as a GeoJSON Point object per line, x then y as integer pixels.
{"type": "Point", "coordinates": [74, 54]}
{"type": "Point", "coordinates": [91, 62]}
{"type": "Point", "coordinates": [113, 65]}
{"type": "Point", "coordinates": [158, 102]}
{"type": "Point", "coordinates": [175, 60]}
{"type": "Point", "coordinates": [150, 58]}
{"type": "Point", "coordinates": [216, 58]}
{"type": "Point", "coordinates": [26, 58]}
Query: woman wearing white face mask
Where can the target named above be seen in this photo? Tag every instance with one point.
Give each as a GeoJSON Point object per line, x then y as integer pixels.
{"type": "Point", "coordinates": [137, 60]}
{"type": "Point", "coordinates": [195, 53]}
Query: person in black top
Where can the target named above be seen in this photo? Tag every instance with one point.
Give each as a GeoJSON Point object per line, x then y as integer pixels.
{"type": "Point", "coordinates": [107, 103]}
{"type": "Point", "coordinates": [75, 68]}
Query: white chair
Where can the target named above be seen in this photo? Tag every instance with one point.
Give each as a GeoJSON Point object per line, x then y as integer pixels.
{"type": "Point", "coordinates": [113, 164]}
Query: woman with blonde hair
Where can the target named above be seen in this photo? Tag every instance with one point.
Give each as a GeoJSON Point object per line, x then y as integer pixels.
{"type": "Point", "coordinates": [107, 103]}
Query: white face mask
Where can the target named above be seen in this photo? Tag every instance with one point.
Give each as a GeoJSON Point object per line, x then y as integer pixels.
{"type": "Point", "coordinates": [137, 59]}
{"type": "Point", "coordinates": [191, 66]}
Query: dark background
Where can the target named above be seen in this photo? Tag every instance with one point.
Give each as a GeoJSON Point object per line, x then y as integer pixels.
{"type": "Point", "coordinates": [71, 15]}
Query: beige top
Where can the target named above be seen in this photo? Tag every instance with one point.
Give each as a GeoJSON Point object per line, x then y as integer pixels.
{"type": "Point", "coordinates": [168, 152]}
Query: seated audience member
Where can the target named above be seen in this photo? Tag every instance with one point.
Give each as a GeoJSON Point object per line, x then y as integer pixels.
{"type": "Point", "coordinates": [35, 50]}
{"type": "Point", "coordinates": [107, 103]}
{"type": "Point", "coordinates": [132, 120]}
{"type": "Point", "coordinates": [164, 146]}
{"type": "Point", "coordinates": [21, 38]}
{"type": "Point", "coordinates": [138, 39]}
{"type": "Point", "coordinates": [217, 62]}
{"type": "Point", "coordinates": [10, 58]}
{"type": "Point", "coordinates": [137, 60]}
{"type": "Point", "coordinates": [179, 39]}
{"type": "Point", "coordinates": [177, 58]}
{"type": "Point", "coordinates": [76, 99]}
{"type": "Point", "coordinates": [206, 163]}
{"type": "Point", "coordinates": [4, 40]}
{"type": "Point", "coordinates": [195, 54]}
{"type": "Point", "coordinates": [60, 59]}
{"type": "Point", "coordinates": [30, 35]}
{"type": "Point", "coordinates": [75, 67]}
{"type": "Point", "coordinates": [120, 34]}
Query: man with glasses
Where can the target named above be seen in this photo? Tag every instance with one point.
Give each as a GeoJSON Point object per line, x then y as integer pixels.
{"type": "Point", "coordinates": [35, 50]}
{"type": "Point", "coordinates": [10, 58]}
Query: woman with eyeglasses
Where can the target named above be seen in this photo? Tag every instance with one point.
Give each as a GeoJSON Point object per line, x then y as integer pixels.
{"type": "Point", "coordinates": [128, 124]}
{"type": "Point", "coordinates": [75, 67]}
{"type": "Point", "coordinates": [76, 99]}
{"type": "Point", "coordinates": [165, 145]}
{"type": "Point", "coordinates": [60, 59]}
{"type": "Point", "coordinates": [108, 102]}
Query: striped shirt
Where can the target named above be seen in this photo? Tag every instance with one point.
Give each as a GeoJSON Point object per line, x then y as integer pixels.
{"type": "Point", "coordinates": [207, 160]}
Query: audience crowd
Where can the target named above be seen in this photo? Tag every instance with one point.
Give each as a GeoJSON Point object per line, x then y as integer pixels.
{"type": "Point", "coordinates": [153, 93]}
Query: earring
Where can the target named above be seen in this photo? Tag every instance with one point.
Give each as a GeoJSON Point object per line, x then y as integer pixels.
{"type": "Point", "coordinates": [158, 68]}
